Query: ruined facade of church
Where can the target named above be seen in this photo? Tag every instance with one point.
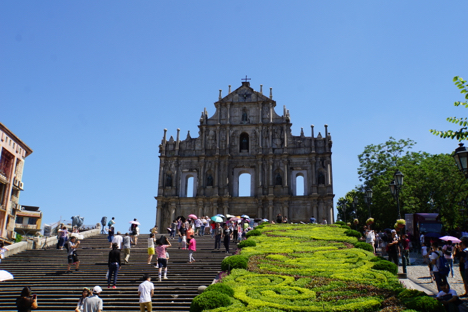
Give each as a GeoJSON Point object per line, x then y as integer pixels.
{"type": "Point", "coordinates": [245, 136]}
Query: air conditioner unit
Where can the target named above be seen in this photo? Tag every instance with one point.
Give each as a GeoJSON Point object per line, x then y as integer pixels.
{"type": "Point", "coordinates": [21, 185]}
{"type": "Point", "coordinates": [15, 182]}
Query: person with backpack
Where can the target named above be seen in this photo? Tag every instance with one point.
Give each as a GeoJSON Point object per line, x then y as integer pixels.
{"type": "Point", "coordinates": [448, 250]}
{"type": "Point", "coordinates": [440, 267]}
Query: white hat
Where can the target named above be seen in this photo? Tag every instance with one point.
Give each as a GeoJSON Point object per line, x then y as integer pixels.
{"type": "Point", "coordinates": [97, 289]}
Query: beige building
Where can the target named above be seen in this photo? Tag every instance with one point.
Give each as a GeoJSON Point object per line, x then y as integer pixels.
{"type": "Point", "coordinates": [245, 135]}
{"type": "Point", "coordinates": [13, 153]}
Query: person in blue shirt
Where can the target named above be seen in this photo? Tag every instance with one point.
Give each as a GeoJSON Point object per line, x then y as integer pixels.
{"type": "Point", "coordinates": [312, 220]}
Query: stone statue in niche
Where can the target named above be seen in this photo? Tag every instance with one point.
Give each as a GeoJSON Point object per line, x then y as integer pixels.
{"type": "Point", "coordinates": [277, 137]}
{"type": "Point", "coordinates": [234, 138]}
{"type": "Point", "coordinates": [244, 115]}
{"type": "Point", "coordinates": [244, 144]}
{"type": "Point", "coordinates": [169, 180]}
{"type": "Point", "coordinates": [266, 138]}
{"type": "Point", "coordinates": [211, 139]}
{"type": "Point", "coordinates": [209, 180]}
{"type": "Point", "coordinates": [223, 138]}
{"type": "Point", "coordinates": [321, 178]}
{"type": "Point", "coordinates": [278, 179]}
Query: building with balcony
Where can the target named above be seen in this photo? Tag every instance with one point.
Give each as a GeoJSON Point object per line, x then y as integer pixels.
{"type": "Point", "coordinates": [28, 220]}
{"type": "Point", "coordinates": [13, 153]}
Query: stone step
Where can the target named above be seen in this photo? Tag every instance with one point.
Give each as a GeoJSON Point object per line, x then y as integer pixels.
{"type": "Point", "coordinates": [45, 272]}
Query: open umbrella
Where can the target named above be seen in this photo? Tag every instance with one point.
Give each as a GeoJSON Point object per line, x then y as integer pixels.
{"type": "Point", "coordinates": [229, 215]}
{"type": "Point", "coordinates": [450, 238]}
{"type": "Point", "coordinates": [220, 215]}
{"type": "Point", "coordinates": [245, 216]}
{"type": "Point", "coordinates": [234, 219]}
{"type": "Point", "coordinates": [5, 276]}
{"type": "Point", "coordinates": [265, 220]}
{"type": "Point", "coordinates": [134, 222]}
{"type": "Point", "coordinates": [217, 219]}
{"type": "Point", "coordinates": [192, 216]}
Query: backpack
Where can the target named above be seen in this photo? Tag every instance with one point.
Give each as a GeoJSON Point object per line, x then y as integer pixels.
{"type": "Point", "coordinates": [442, 265]}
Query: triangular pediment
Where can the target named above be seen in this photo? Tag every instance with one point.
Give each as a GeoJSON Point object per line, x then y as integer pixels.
{"type": "Point", "coordinates": [245, 94]}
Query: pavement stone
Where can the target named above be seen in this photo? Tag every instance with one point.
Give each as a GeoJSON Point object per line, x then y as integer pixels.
{"type": "Point", "coordinates": [419, 277]}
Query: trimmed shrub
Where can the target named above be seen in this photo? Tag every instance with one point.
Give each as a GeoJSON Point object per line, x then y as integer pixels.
{"type": "Point", "coordinates": [364, 246]}
{"type": "Point", "coordinates": [424, 303]}
{"type": "Point", "coordinates": [253, 233]}
{"type": "Point", "coordinates": [234, 262]}
{"type": "Point", "coordinates": [378, 258]}
{"type": "Point", "coordinates": [221, 288]}
{"type": "Point", "coordinates": [353, 233]}
{"type": "Point", "coordinates": [385, 265]}
{"type": "Point", "coordinates": [340, 223]}
{"type": "Point", "coordinates": [345, 227]}
{"type": "Point", "coordinates": [209, 300]}
{"type": "Point", "coordinates": [247, 243]}
{"type": "Point", "coordinates": [411, 293]}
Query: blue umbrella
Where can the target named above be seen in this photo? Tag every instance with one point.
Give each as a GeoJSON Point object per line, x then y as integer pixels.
{"type": "Point", "coordinates": [217, 219]}
{"type": "Point", "coordinates": [265, 220]}
{"type": "Point", "coordinates": [245, 216]}
{"type": "Point", "coordinates": [220, 215]}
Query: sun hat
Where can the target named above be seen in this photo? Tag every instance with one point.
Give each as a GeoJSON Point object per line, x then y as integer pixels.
{"type": "Point", "coordinates": [97, 289]}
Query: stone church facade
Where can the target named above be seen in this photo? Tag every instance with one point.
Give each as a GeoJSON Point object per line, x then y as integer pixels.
{"type": "Point", "coordinates": [245, 136]}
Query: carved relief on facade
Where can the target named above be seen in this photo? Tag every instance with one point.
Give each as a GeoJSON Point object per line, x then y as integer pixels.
{"type": "Point", "coordinates": [211, 142]}
{"type": "Point", "coordinates": [222, 137]}
{"type": "Point", "coordinates": [277, 137]}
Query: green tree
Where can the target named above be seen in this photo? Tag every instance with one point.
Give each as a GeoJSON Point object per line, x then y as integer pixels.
{"type": "Point", "coordinates": [432, 183]}
{"type": "Point", "coordinates": [462, 133]}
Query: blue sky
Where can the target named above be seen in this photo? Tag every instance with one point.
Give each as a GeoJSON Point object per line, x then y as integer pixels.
{"type": "Point", "coordinates": [90, 86]}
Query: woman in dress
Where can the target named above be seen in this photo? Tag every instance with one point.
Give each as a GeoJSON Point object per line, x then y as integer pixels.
{"type": "Point", "coordinates": [63, 236]}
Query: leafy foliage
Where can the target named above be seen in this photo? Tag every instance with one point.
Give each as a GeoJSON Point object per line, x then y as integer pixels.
{"type": "Point", "coordinates": [432, 184]}
{"type": "Point", "coordinates": [234, 262]}
{"type": "Point", "coordinates": [424, 303]}
{"type": "Point", "coordinates": [221, 288]}
{"type": "Point", "coordinates": [364, 246]}
{"type": "Point", "coordinates": [386, 266]}
{"type": "Point", "coordinates": [460, 134]}
{"type": "Point", "coordinates": [255, 232]}
{"type": "Point", "coordinates": [353, 233]}
{"type": "Point", "coordinates": [209, 300]}
{"type": "Point", "coordinates": [247, 243]}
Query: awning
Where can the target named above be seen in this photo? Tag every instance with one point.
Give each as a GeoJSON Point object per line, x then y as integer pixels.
{"type": "Point", "coordinates": [28, 214]}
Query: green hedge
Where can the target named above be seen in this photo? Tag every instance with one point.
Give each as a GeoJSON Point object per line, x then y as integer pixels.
{"type": "Point", "coordinates": [345, 227]}
{"type": "Point", "coordinates": [209, 300]}
{"type": "Point", "coordinates": [221, 288]}
{"type": "Point", "coordinates": [353, 233]}
{"type": "Point", "coordinates": [385, 265]}
{"type": "Point", "coordinates": [424, 303]}
{"type": "Point", "coordinates": [247, 243]}
{"type": "Point", "coordinates": [253, 233]}
{"type": "Point", "coordinates": [364, 246]}
{"type": "Point", "coordinates": [234, 262]}
{"type": "Point", "coordinates": [340, 223]}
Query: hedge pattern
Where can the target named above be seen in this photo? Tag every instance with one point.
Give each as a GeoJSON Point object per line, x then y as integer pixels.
{"type": "Point", "coordinates": [313, 268]}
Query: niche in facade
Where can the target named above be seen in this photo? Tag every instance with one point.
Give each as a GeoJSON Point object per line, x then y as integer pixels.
{"type": "Point", "coordinates": [244, 142]}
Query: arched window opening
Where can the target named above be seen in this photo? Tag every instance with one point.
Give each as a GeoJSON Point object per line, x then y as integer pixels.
{"type": "Point", "coordinates": [189, 187]}
{"type": "Point", "coordinates": [299, 185]}
{"type": "Point", "coordinates": [244, 142]}
{"type": "Point", "coordinates": [244, 185]}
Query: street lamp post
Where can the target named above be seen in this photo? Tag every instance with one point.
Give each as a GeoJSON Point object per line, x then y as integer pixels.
{"type": "Point", "coordinates": [395, 187]}
{"type": "Point", "coordinates": [368, 200]}
{"type": "Point", "coordinates": [461, 158]}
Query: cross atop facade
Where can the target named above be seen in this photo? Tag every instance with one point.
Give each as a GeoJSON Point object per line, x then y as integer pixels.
{"type": "Point", "coordinates": [245, 79]}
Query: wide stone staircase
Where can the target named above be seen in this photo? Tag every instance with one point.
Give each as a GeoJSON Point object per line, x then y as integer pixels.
{"type": "Point", "coordinates": [45, 272]}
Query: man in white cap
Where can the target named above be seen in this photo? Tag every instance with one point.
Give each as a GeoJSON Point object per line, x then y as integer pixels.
{"type": "Point", "coordinates": [93, 303]}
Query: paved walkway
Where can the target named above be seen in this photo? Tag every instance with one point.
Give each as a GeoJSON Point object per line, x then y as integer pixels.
{"type": "Point", "coordinates": [419, 277]}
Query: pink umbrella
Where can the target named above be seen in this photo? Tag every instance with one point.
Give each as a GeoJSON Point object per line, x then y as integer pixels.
{"type": "Point", "coordinates": [450, 238]}
{"type": "Point", "coordinates": [192, 216]}
{"type": "Point", "coordinates": [234, 219]}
